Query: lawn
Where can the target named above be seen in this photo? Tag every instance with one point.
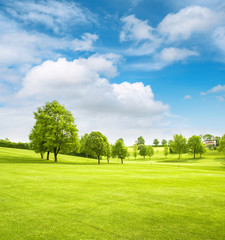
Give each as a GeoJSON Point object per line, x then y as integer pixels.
{"type": "Point", "coordinates": [141, 199]}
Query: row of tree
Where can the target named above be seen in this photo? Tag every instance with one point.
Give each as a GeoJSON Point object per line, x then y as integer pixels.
{"type": "Point", "coordinates": [55, 131]}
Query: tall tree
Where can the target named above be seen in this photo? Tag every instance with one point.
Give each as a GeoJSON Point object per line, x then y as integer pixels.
{"type": "Point", "coordinates": [120, 150]}
{"type": "Point", "coordinates": [178, 144]}
{"type": "Point", "coordinates": [57, 123]}
{"type": "Point", "coordinates": [97, 143]}
{"type": "Point", "coordinates": [149, 151]}
{"type": "Point", "coordinates": [164, 142]}
{"type": "Point", "coordinates": [143, 151]}
{"type": "Point", "coordinates": [194, 145]}
{"type": "Point", "coordinates": [208, 137]}
{"type": "Point", "coordinates": [156, 142]}
{"type": "Point", "coordinates": [140, 142]}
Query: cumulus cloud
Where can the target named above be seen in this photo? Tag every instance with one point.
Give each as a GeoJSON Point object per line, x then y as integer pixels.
{"type": "Point", "coordinates": [135, 29]}
{"type": "Point", "coordinates": [216, 89]}
{"type": "Point", "coordinates": [86, 42]}
{"type": "Point", "coordinates": [190, 20]}
{"type": "Point", "coordinates": [53, 14]}
{"type": "Point", "coordinates": [170, 35]}
{"type": "Point", "coordinates": [85, 88]}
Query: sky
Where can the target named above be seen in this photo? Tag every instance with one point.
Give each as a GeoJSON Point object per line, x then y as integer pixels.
{"type": "Point", "coordinates": [127, 68]}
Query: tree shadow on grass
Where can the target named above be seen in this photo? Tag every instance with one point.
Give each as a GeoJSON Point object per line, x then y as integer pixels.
{"type": "Point", "coordinates": [33, 160]}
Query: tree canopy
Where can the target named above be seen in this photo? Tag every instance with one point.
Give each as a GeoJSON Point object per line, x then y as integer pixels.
{"type": "Point", "coordinates": [120, 150]}
{"type": "Point", "coordinates": [178, 144]}
{"type": "Point", "coordinates": [97, 144]}
{"type": "Point", "coordinates": [54, 130]}
{"type": "Point", "coordinates": [156, 142]}
{"type": "Point", "coordinates": [194, 145]}
{"type": "Point", "coordinates": [149, 151]}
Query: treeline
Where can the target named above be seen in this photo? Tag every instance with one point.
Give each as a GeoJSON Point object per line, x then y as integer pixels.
{"type": "Point", "coordinates": [55, 132]}
{"type": "Point", "coordinates": [9, 144]}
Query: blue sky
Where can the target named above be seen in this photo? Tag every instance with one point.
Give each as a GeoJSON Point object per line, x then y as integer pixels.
{"type": "Point", "coordinates": [124, 67]}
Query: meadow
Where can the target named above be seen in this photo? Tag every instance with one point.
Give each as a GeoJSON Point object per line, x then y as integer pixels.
{"type": "Point", "coordinates": [158, 198]}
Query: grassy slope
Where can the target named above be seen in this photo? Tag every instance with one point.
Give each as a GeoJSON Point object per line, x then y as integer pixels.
{"type": "Point", "coordinates": [142, 199]}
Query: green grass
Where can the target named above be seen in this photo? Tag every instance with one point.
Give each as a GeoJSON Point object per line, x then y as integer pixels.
{"type": "Point", "coordinates": [142, 199]}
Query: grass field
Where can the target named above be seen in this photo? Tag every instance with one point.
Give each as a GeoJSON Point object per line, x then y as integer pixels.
{"type": "Point", "coordinates": [141, 199]}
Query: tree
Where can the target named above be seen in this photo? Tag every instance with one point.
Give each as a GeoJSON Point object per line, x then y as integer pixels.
{"type": "Point", "coordinates": [221, 148]}
{"type": "Point", "coordinates": [217, 140]}
{"type": "Point", "coordinates": [179, 144]}
{"type": "Point", "coordinates": [202, 149]}
{"type": "Point", "coordinates": [97, 144]}
{"type": "Point", "coordinates": [166, 150]}
{"type": "Point", "coordinates": [135, 148]}
{"type": "Point", "coordinates": [208, 137]}
{"type": "Point", "coordinates": [156, 142]}
{"type": "Point", "coordinates": [120, 150]}
{"type": "Point", "coordinates": [149, 151]}
{"type": "Point", "coordinates": [194, 145]}
{"type": "Point", "coordinates": [164, 142]}
{"type": "Point", "coordinates": [38, 141]}
{"type": "Point", "coordinates": [83, 145]}
{"type": "Point", "coordinates": [143, 151]}
{"type": "Point", "coordinates": [140, 142]}
{"type": "Point", "coordinates": [54, 129]}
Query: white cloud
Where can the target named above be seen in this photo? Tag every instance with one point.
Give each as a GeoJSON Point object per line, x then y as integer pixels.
{"type": "Point", "coordinates": [186, 97]}
{"type": "Point", "coordinates": [220, 98]}
{"type": "Point", "coordinates": [190, 20]}
{"type": "Point", "coordinates": [170, 55]}
{"type": "Point", "coordinates": [115, 109]}
{"type": "Point", "coordinates": [167, 57]}
{"type": "Point", "coordinates": [216, 89]}
{"type": "Point", "coordinates": [86, 42]}
{"type": "Point", "coordinates": [135, 30]}
{"type": "Point", "coordinates": [55, 15]}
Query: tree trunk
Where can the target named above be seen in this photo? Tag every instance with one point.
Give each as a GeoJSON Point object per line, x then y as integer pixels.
{"type": "Point", "coordinates": [179, 156]}
{"type": "Point", "coordinates": [42, 155]}
{"type": "Point", "coordinates": [108, 160]}
{"type": "Point", "coordinates": [98, 159]}
{"type": "Point", "coordinates": [55, 154]}
{"type": "Point", "coordinates": [121, 160]}
{"type": "Point", "coordinates": [48, 155]}
{"type": "Point", "coordinates": [194, 154]}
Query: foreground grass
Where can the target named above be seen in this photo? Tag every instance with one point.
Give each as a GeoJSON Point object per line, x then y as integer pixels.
{"type": "Point", "coordinates": [142, 199]}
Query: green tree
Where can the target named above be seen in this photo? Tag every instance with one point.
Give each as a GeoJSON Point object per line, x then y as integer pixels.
{"type": "Point", "coordinates": [56, 127]}
{"type": "Point", "coordinates": [208, 137]}
{"type": "Point", "coordinates": [166, 150]}
{"type": "Point", "coordinates": [140, 142]}
{"type": "Point", "coordinates": [202, 149]}
{"type": "Point", "coordinates": [120, 150]}
{"type": "Point", "coordinates": [149, 151]}
{"type": "Point", "coordinates": [178, 144]}
{"type": "Point", "coordinates": [164, 142]}
{"type": "Point", "coordinates": [156, 142]}
{"type": "Point", "coordinates": [143, 151]}
{"type": "Point", "coordinates": [217, 140]}
{"type": "Point", "coordinates": [194, 145]}
{"type": "Point", "coordinates": [135, 149]}
{"type": "Point", "coordinates": [38, 141]}
{"type": "Point", "coordinates": [221, 148]}
{"type": "Point", "coordinates": [97, 144]}
{"type": "Point", "coordinates": [83, 145]}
